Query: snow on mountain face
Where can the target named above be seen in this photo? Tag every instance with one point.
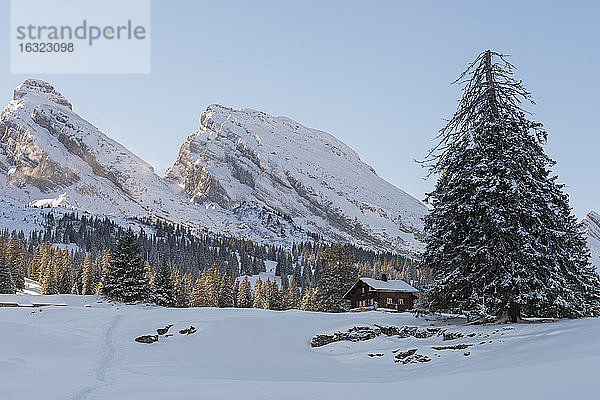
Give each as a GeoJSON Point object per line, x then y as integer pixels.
{"type": "Point", "coordinates": [47, 150]}
{"type": "Point", "coordinates": [591, 224]}
{"type": "Point", "coordinates": [247, 174]}
{"type": "Point", "coordinates": [245, 156]}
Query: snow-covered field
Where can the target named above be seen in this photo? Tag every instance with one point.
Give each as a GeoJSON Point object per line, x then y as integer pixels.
{"type": "Point", "coordinates": [86, 350]}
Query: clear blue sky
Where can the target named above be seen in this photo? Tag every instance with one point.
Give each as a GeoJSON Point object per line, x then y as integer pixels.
{"type": "Point", "coordinates": [374, 74]}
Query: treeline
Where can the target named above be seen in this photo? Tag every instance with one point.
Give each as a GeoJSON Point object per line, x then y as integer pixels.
{"type": "Point", "coordinates": [124, 275]}
{"type": "Point", "coordinates": [192, 253]}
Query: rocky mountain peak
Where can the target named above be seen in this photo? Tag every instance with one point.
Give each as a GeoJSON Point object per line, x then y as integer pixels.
{"type": "Point", "coordinates": [247, 157]}
{"type": "Point", "coordinates": [42, 89]}
{"type": "Point", "coordinates": [591, 224]}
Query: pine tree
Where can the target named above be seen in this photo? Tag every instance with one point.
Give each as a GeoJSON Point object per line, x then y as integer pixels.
{"type": "Point", "coordinates": [501, 238]}
{"type": "Point", "coordinates": [276, 297]}
{"type": "Point", "coordinates": [36, 265]}
{"type": "Point", "coordinates": [125, 278]}
{"type": "Point", "coordinates": [336, 277]}
{"type": "Point", "coordinates": [182, 298]}
{"type": "Point", "coordinates": [88, 284]}
{"type": "Point", "coordinates": [211, 280]}
{"type": "Point", "coordinates": [75, 288]}
{"type": "Point", "coordinates": [7, 284]}
{"type": "Point", "coordinates": [236, 291]}
{"type": "Point", "coordinates": [163, 290]}
{"type": "Point", "coordinates": [226, 292]}
{"type": "Point", "coordinates": [285, 283]}
{"type": "Point", "coordinates": [244, 299]}
{"type": "Point", "coordinates": [259, 296]}
{"type": "Point", "coordinates": [317, 301]}
{"type": "Point", "coordinates": [64, 271]}
{"type": "Point", "coordinates": [14, 254]}
{"type": "Point", "coordinates": [267, 295]}
{"type": "Point", "coordinates": [292, 296]}
{"type": "Point", "coordinates": [48, 284]}
{"type": "Point", "coordinates": [305, 303]}
{"type": "Point", "coordinates": [198, 297]}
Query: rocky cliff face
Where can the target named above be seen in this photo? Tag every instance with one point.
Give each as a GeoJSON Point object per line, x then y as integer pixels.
{"type": "Point", "coordinates": [591, 224]}
{"type": "Point", "coordinates": [246, 157]}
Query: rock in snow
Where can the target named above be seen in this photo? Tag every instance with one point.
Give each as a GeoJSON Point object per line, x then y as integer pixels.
{"type": "Point", "coordinates": [244, 173]}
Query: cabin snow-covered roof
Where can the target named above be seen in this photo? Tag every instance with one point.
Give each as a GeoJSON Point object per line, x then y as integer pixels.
{"type": "Point", "coordinates": [393, 285]}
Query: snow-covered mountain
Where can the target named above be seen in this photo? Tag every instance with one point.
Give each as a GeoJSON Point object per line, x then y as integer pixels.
{"type": "Point", "coordinates": [244, 173]}
{"type": "Point", "coordinates": [246, 157]}
{"type": "Point", "coordinates": [591, 224]}
{"type": "Point", "coordinates": [48, 151]}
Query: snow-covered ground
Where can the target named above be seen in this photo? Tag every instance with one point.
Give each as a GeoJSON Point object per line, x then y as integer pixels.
{"type": "Point", "coordinates": [86, 350]}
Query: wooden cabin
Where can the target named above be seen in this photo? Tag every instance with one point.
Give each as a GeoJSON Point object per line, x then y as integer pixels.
{"type": "Point", "coordinates": [369, 293]}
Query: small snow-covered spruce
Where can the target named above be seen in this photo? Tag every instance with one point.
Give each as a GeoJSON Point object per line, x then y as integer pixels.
{"type": "Point", "coordinates": [501, 239]}
{"type": "Point", "coordinates": [226, 292]}
{"type": "Point", "coordinates": [125, 278]}
{"type": "Point", "coordinates": [7, 284]}
{"type": "Point", "coordinates": [276, 302]}
{"type": "Point", "coordinates": [163, 289]}
{"type": "Point", "coordinates": [336, 277]}
{"type": "Point", "coordinates": [244, 299]}
{"type": "Point", "coordinates": [292, 296]}
{"type": "Point", "coordinates": [259, 295]}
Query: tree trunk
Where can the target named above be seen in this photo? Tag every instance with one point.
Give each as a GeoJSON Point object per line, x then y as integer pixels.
{"type": "Point", "coordinates": [490, 82]}
{"type": "Point", "coordinates": [514, 312]}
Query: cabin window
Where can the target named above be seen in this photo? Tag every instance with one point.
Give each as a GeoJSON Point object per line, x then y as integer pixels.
{"type": "Point", "coordinates": [389, 300]}
{"type": "Point", "coordinates": [400, 301]}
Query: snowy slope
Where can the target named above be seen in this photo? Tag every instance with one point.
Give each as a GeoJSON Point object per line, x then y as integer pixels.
{"type": "Point", "coordinates": [86, 351]}
{"type": "Point", "coordinates": [591, 224]}
{"type": "Point", "coordinates": [248, 157]}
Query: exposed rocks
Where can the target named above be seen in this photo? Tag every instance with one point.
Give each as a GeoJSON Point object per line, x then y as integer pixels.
{"type": "Point", "coordinates": [188, 331]}
{"type": "Point", "coordinates": [452, 335]}
{"type": "Point", "coordinates": [361, 333]}
{"type": "Point", "coordinates": [404, 354]}
{"type": "Point", "coordinates": [455, 347]}
{"type": "Point", "coordinates": [375, 354]}
{"type": "Point", "coordinates": [410, 357]}
{"type": "Point", "coordinates": [147, 339]}
{"type": "Point", "coordinates": [162, 331]}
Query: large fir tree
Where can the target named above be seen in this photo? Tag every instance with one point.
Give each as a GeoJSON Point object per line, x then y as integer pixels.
{"type": "Point", "coordinates": [501, 238]}
{"type": "Point", "coordinates": [125, 277]}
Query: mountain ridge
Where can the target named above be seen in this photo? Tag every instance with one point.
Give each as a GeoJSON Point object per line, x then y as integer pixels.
{"type": "Point", "coordinates": [241, 156]}
{"type": "Point", "coordinates": [50, 156]}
